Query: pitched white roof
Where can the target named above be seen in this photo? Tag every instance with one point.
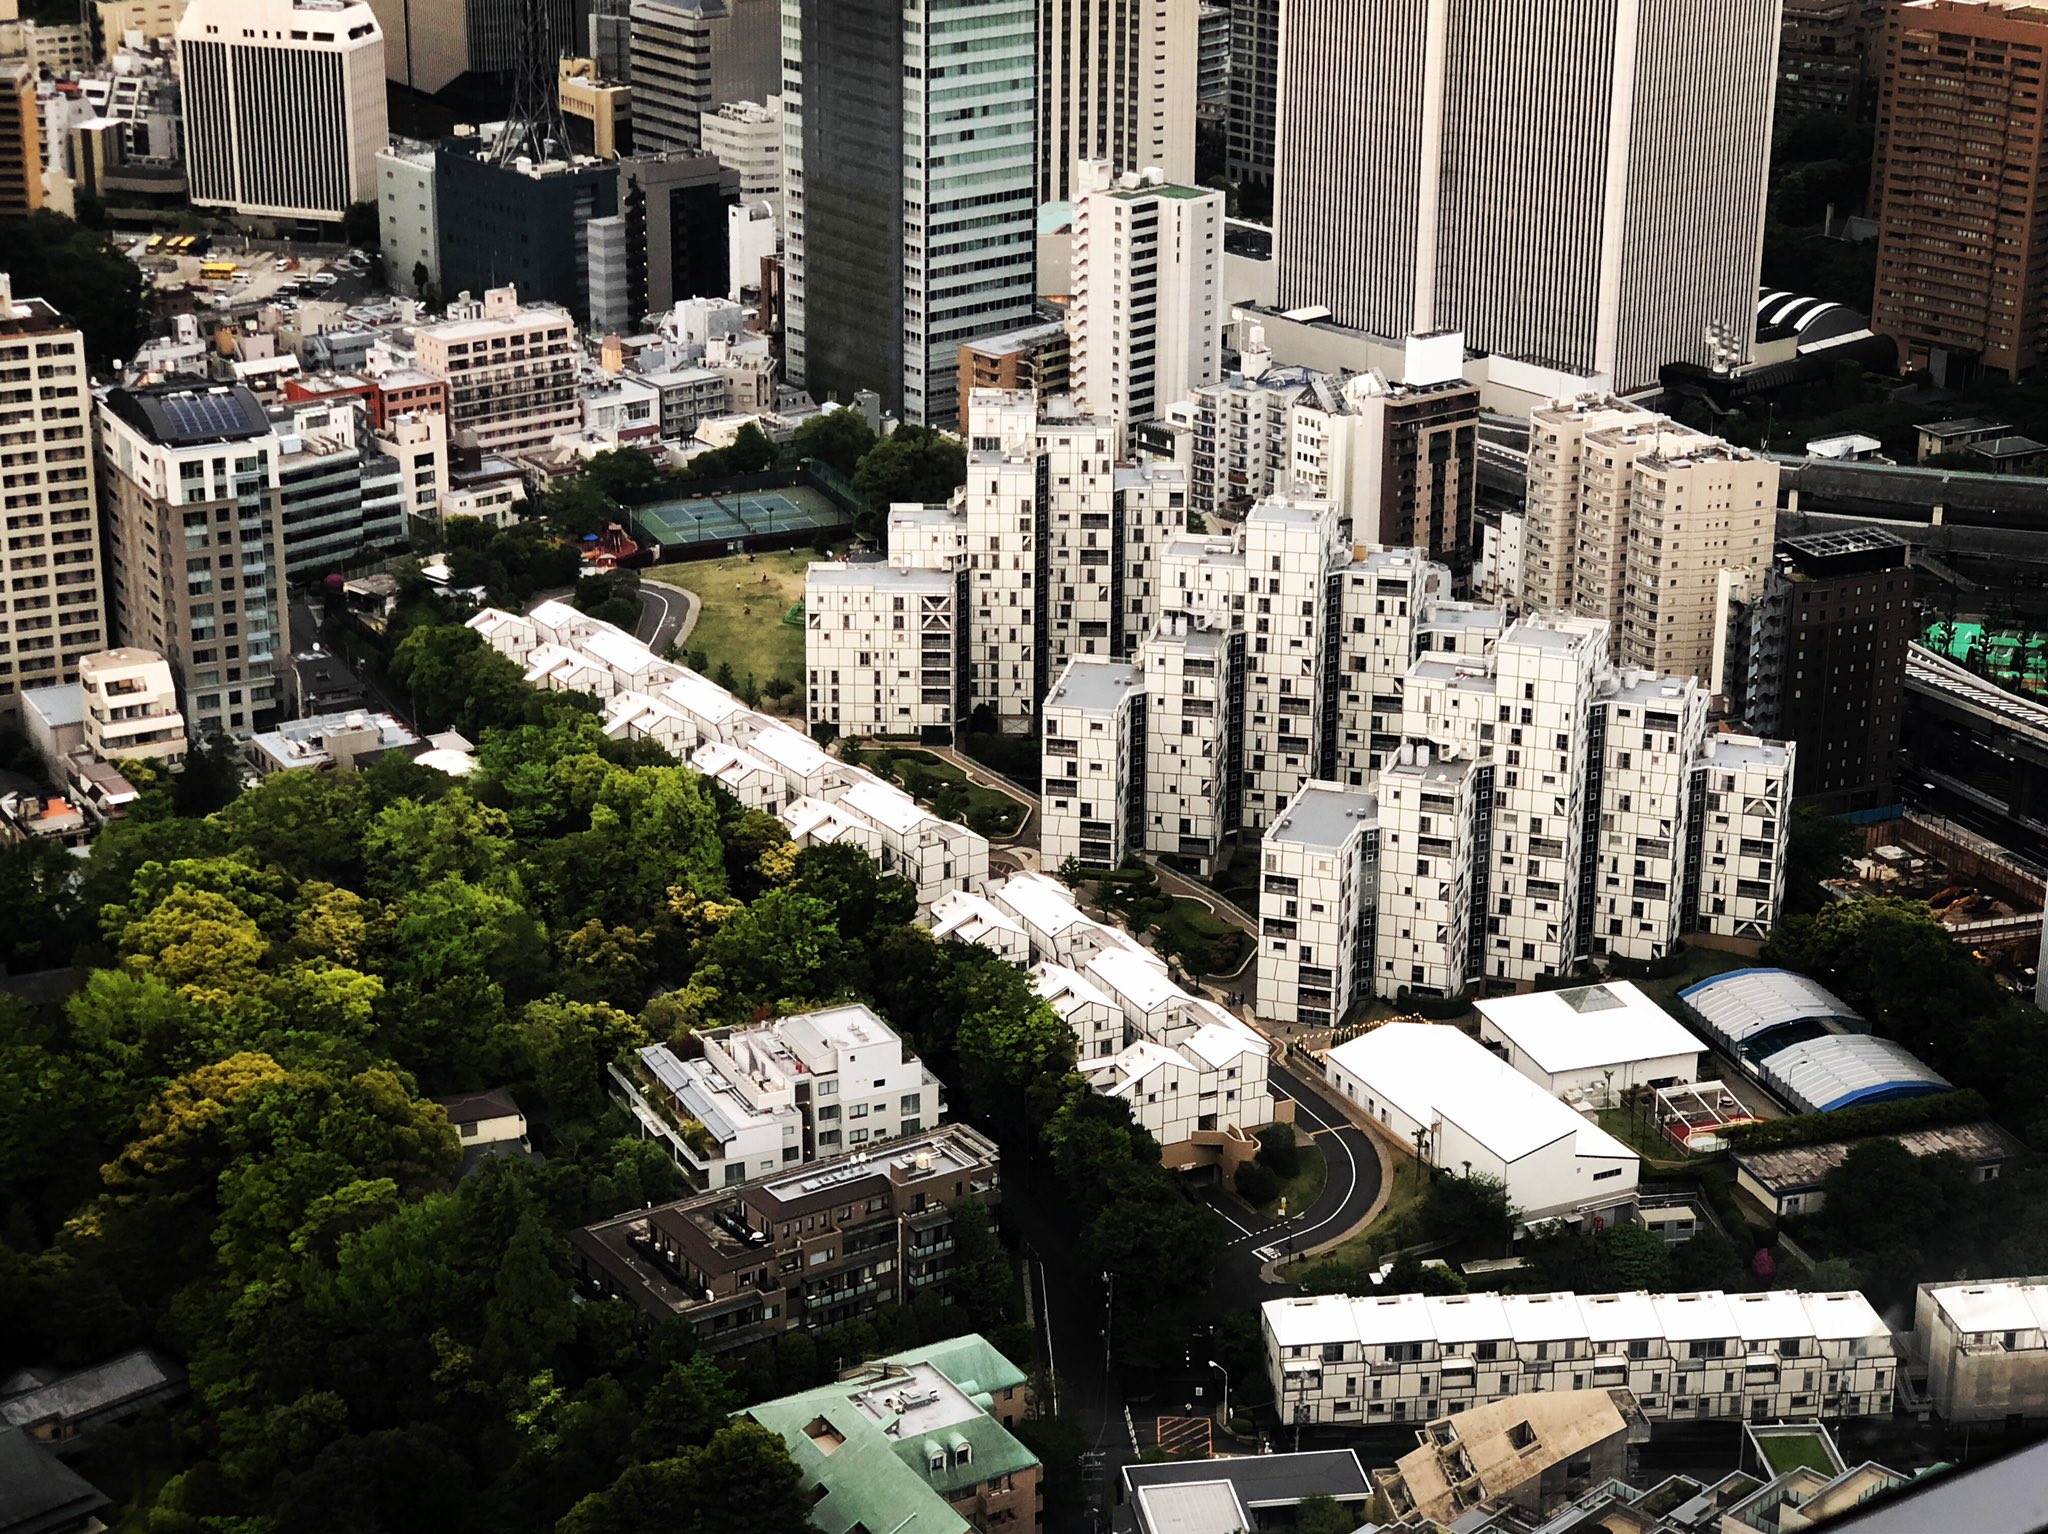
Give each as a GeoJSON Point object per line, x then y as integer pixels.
{"type": "Point", "coordinates": [729, 763]}
{"type": "Point", "coordinates": [1588, 1027]}
{"type": "Point", "coordinates": [970, 918]}
{"type": "Point", "coordinates": [1139, 985]}
{"type": "Point", "coordinates": [1218, 1045]}
{"type": "Point", "coordinates": [791, 750]}
{"type": "Point", "coordinates": [1064, 989]}
{"type": "Point", "coordinates": [887, 806]}
{"type": "Point", "coordinates": [621, 652]}
{"type": "Point", "coordinates": [1431, 1071]}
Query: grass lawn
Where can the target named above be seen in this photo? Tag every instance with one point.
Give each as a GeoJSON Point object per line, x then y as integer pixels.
{"type": "Point", "coordinates": [1305, 1186]}
{"type": "Point", "coordinates": [1397, 1219]}
{"type": "Point", "coordinates": [1640, 1137]}
{"type": "Point", "coordinates": [1792, 1451]}
{"type": "Point", "coordinates": [945, 787]}
{"type": "Point", "coordinates": [1200, 936]}
{"type": "Point", "coordinates": [740, 623]}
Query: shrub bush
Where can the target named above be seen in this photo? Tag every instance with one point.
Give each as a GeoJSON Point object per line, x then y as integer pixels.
{"type": "Point", "coordinates": [1279, 1151]}
{"type": "Point", "coordinates": [1256, 1184]}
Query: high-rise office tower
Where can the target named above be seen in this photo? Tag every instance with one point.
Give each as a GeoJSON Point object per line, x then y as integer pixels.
{"type": "Point", "coordinates": [1146, 320]}
{"type": "Point", "coordinates": [689, 57]}
{"type": "Point", "coordinates": [52, 602]}
{"type": "Point", "coordinates": [1575, 182]}
{"type": "Point", "coordinates": [431, 44]}
{"type": "Point", "coordinates": [1254, 90]}
{"type": "Point", "coordinates": [1117, 81]}
{"type": "Point", "coordinates": [283, 105]}
{"type": "Point", "coordinates": [1957, 183]}
{"type": "Point", "coordinates": [910, 174]}
{"type": "Point", "coordinates": [194, 520]}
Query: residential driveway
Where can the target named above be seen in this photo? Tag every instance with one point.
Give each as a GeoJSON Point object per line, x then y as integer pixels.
{"type": "Point", "coordinates": [667, 614]}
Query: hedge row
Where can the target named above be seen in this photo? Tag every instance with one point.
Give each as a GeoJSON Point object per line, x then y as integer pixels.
{"type": "Point", "coordinates": [1848, 1123]}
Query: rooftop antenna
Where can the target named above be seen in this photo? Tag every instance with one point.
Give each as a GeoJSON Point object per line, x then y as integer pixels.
{"type": "Point", "coordinates": [534, 129]}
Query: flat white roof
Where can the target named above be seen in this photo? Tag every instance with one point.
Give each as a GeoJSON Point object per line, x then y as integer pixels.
{"type": "Point", "coordinates": [1994, 1305]}
{"type": "Point", "coordinates": [1431, 1071]}
{"type": "Point", "coordinates": [1589, 1027]}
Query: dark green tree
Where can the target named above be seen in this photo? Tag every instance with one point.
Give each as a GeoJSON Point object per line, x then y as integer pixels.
{"type": "Point", "coordinates": [912, 463]}
{"type": "Point", "coordinates": [840, 438]}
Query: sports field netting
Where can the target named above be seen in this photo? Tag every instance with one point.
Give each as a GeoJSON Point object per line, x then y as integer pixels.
{"type": "Point", "coordinates": [733, 515]}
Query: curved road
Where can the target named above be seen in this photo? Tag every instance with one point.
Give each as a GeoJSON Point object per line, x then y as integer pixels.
{"type": "Point", "coordinates": [667, 614]}
{"type": "Point", "coordinates": [1353, 1159]}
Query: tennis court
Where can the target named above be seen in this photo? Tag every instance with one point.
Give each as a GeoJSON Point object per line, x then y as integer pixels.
{"type": "Point", "coordinates": [731, 517]}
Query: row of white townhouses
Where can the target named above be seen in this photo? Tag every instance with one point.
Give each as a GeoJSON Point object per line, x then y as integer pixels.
{"type": "Point", "coordinates": [1379, 1359]}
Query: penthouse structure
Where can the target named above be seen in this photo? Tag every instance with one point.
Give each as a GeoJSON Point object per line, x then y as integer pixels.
{"type": "Point", "coordinates": [781, 1093]}
{"type": "Point", "coordinates": [511, 371]}
{"type": "Point", "coordinates": [806, 1249]}
{"type": "Point", "coordinates": [1374, 1360]}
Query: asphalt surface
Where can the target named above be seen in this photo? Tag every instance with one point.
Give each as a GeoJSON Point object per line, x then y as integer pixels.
{"type": "Point", "coordinates": [664, 610]}
{"type": "Point", "coordinates": [1348, 1192]}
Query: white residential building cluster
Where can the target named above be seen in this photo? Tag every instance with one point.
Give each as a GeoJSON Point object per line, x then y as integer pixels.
{"type": "Point", "coordinates": [781, 1093]}
{"type": "Point", "coordinates": [762, 762]}
{"type": "Point", "coordinates": [1063, 545]}
{"type": "Point", "coordinates": [1193, 1075]}
{"type": "Point", "coordinates": [1708, 1356]}
{"type": "Point", "coordinates": [882, 648]}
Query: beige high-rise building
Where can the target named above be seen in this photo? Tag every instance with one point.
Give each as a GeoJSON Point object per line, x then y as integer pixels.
{"type": "Point", "coordinates": [511, 371]}
{"type": "Point", "coordinates": [194, 520]}
{"type": "Point", "coordinates": [1632, 518]}
{"type": "Point", "coordinates": [52, 611]}
{"type": "Point", "coordinates": [1117, 81]}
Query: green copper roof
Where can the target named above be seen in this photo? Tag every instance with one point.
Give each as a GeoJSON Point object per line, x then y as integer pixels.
{"type": "Point", "coordinates": [890, 1444]}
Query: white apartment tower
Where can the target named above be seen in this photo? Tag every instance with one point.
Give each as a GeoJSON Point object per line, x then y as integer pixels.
{"type": "Point", "coordinates": [1742, 826]}
{"type": "Point", "coordinates": [283, 105]}
{"type": "Point", "coordinates": [1192, 718]}
{"type": "Point", "coordinates": [881, 649]}
{"type": "Point", "coordinates": [1432, 814]}
{"type": "Point", "coordinates": [1652, 732]}
{"type": "Point", "coordinates": [53, 606]}
{"type": "Point", "coordinates": [1092, 792]}
{"type": "Point", "coordinates": [1583, 187]}
{"type": "Point", "coordinates": [511, 371]}
{"type": "Point", "coordinates": [1292, 556]}
{"type": "Point", "coordinates": [1318, 900]}
{"type": "Point", "coordinates": [1146, 322]}
{"type": "Point", "coordinates": [1064, 545]}
{"type": "Point", "coordinates": [1117, 82]}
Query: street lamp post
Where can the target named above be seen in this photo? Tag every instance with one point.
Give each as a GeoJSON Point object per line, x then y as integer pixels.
{"type": "Point", "coordinates": [1226, 1391]}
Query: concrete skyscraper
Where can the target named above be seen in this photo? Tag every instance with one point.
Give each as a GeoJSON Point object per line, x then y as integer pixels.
{"type": "Point", "coordinates": [687, 58]}
{"type": "Point", "coordinates": [1117, 81]}
{"type": "Point", "coordinates": [283, 105]}
{"type": "Point", "coordinates": [1146, 322]}
{"type": "Point", "coordinates": [910, 178]}
{"type": "Point", "coordinates": [1578, 183]}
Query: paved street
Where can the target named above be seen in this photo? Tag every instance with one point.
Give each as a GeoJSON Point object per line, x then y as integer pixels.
{"type": "Point", "coordinates": [1353, 1184]}
{"type": "Point", "coordinates": [667, 614]}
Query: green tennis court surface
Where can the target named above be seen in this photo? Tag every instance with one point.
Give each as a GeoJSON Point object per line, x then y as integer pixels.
{"type": "Point", "coordinates": [726, 518]}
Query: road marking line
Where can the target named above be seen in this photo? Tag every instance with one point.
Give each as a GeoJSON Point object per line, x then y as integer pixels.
{"type": "Point", "coordinates": [1238, 1223]}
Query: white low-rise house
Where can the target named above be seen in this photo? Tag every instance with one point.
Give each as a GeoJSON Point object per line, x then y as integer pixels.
{"type": "Point", "coordinates": [1060, 931]}
{"type": "Point", "coordinates": [1983, 1345]}
{"type": "Point", "coordinates": [485, 1118]}
{"type": "Point", "coordinates": [327, 743]}
{"type": "Point", "coordinates": [709, 712]}
{"type": "Point", "coordinates": [1464, 1109]}
{"type": "Point", "coordinates": [1092, 1013]}
{"type": "Point", "coordinates": [1318, 896]}
{"type": "Point", "coordinates": [780, 1093]}
{"type": "Point", "coordinates": [130, 708]}
{"type": "Point", "coordinates": [821, 823]}
{"type": "Point", "coordinates": [934, 855]}
{"type": "Point", "coordinates": [966, 917]}
{"type": "Point", "coordinates": [567, 668]}
{"type": "Point", "coordinates": [643, 716]}
{"type": "Point", "coordinates": [749, 779]}
{"type": "Point", "coordinates": [1091, 803]}
{"type": "Point", "coordinates": [1212, 1082]}
{"type": "Point", "coordinates": [882, 649]}
{"type": "Point", "coordinates": [804, 767]}
{"type": "Point", "coordinates": [1591, 1043]}
{"type": "Point", "coordinates": [1380, 1359]}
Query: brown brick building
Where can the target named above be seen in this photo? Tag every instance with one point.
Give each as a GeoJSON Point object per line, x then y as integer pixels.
{"type": "Point", "coordinates": [1827, 662]}
{"type": "Point", "coordinates": [819, 1245]}
{"type": "Point", "coordinates": [1957, 184]}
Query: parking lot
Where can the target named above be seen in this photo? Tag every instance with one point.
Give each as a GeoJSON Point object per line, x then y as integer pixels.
{"type": "Point", "coordinates": [265, 270]}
